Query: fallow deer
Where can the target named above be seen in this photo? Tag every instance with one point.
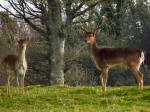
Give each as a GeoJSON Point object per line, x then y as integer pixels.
{"type": "Point", "coordinates": [105, 58]}
{"type": "Point", "coordinates": [15, 65]}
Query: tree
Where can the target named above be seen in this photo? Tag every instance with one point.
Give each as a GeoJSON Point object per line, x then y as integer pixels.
{"type": "Point", "coordinates": [8, 29]}
{"type": "Point", "coordinates": [45, 16]}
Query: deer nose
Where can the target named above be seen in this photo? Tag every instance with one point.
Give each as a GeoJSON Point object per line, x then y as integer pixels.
{"type": "Point", "coordinates": [22, 46]}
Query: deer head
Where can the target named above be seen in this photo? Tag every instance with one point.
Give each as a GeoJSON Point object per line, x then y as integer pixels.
{"type": "Point", "coordinates": [22, 43]}
{"type": "Point", "coordinates": [90, 37]}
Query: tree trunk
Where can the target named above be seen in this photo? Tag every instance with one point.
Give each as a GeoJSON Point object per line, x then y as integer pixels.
{"type": "Point", "coordinates": [57, 61]}
{"type": "Point", "coordinates": [56, 43]}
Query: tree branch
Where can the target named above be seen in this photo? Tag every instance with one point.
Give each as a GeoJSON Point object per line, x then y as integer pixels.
{"type": "Point", "coordinates": [78, 7]}
{"type": "Point", "coordinates": [9, 11]}
{"type": "Point", "coordinates": [85, 10]}
{"type": "Point", "coordinates": [24, 12]}
{"type": "Point", "coordinates": [41, 31]}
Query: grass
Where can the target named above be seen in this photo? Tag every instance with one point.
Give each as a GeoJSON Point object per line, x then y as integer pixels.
{"type": "Point", "coordinates": [76, 99]}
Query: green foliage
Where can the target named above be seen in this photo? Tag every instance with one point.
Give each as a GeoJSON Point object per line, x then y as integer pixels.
{"type": "Point", "coordinates": [76, 99]}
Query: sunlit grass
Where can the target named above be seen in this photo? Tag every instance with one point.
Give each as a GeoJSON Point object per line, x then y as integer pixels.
{"type": "Point", "coordinates": [76, 99]}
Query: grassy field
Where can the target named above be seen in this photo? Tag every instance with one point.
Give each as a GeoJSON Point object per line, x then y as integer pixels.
{"type": "Point", "coordinates": [76, 99]}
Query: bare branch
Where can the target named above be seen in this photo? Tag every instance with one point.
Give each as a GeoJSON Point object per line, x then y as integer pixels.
{"type": "Point", "coordinates": [15, 7]}
{"type": "Point", "coordinates": [11, 13]}
{"type": "Point", "coordinates": [41, 31]}
{"type": "Point", "coordinates": [85, 10]}
{"type": "Point", "coordinates": [82, 21]}
{"type": "Point", "coordinates": [25, 12]}
{"type": "Point", "coordinates": [81, 25]}
{"type": "Point", "coordinates": [78, 7]}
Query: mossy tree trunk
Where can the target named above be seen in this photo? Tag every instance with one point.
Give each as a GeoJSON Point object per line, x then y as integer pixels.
{"type": "Point", "coordinates": [56, 43]}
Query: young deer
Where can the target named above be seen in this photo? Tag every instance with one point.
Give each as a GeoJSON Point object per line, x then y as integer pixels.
{"type": "Point", "coordinates": [15, 66]}
{"type": "Point", "coordinates": [105, 58]}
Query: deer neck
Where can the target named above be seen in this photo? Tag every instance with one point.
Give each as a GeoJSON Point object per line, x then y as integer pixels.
{"type": "Point", "coordinates": [94, 47]}
{"type": "Point", "coordinates": [22, 55]}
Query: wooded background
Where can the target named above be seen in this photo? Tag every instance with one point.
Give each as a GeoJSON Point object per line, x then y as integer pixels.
{"type": "Point", "coordinates": [54, 26]}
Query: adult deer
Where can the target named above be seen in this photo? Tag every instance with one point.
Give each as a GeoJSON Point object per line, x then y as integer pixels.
{"type": "Point", "coordinates": [105, 58]}
{"type": "Point", "coordinates": [15, 65]}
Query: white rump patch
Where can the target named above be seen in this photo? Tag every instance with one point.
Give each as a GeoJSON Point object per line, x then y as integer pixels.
{"type": "Point", "coordinates": [142, 58]}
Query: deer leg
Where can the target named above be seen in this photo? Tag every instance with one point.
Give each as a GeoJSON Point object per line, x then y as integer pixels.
{"type": "Point", "coordinates": [139, 76]}
{"type": "Point", "coordinates": [10, 80]}
{"type": "Point", "coordinates": [141, 79]}
{"type": "Point", "coordinates": [17, 79]}
{"type": "Point", "coordinates": [104, 77]}
{"type": "Point", "coordinates": [8, 85]}
{"type": "Point", "coordinates": [102, 81]}
{"type": "Point", "coordinates": [7, 80]}
{"type": "Point", "coordinates": [21, 81]}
